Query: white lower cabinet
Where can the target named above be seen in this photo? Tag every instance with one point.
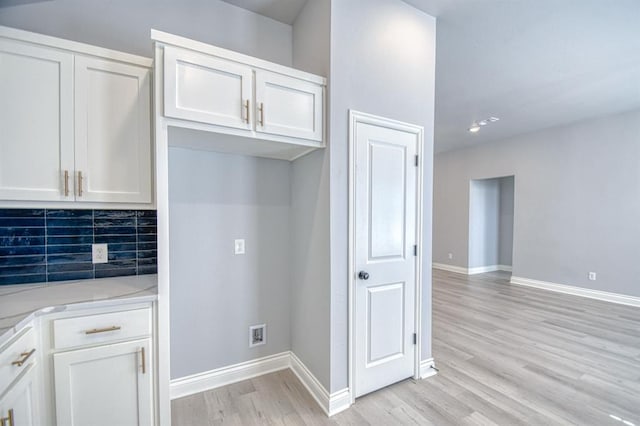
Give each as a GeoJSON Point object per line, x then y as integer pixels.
{"type": "Point", "coordinates": [18, 405]}
{"type": "Point", "coordinates": [105, 385]}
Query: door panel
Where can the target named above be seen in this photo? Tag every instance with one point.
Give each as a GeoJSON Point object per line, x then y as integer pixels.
{"type": "Point", "coordinates": [113, 131]}
{"type": "Point", "coordinates": [105, 385]}
{"type": "Point", "coordinates": [388, 200]}
{"type": "Point", "coordinates": [36, 145]}
{"type": "Point", "coordinates": [206, 89]}
{"type": "Point", "coordinates": [385, 312]}
{"type": "Point", "coordinates": [385, 231]}
{"type": "Point", "coordinates": [20, 401]}
{"type": "Point", "coordinates": [287, 106]}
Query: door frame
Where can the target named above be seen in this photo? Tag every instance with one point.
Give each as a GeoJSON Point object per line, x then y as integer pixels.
{"type": "Point", "coordinates": [356, 117]}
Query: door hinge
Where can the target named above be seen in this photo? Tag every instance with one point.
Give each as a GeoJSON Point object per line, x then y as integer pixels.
{"type": "Point", "coordinates": [415, 250]}
{"type": "Point", "coordinates": [417, 161]}
{"type": "Point", "coordinates": [415, 339]}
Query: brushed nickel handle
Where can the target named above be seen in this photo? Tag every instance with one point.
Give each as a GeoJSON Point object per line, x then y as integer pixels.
{"type": "Point", "coordinates": [261, 109]}
{"type": "Point", "coordinates": [25, 356]}
{"type": "Point", "coordinates": [79, 183]}
{"type": "Point", "coordinates": [103, 330]}
{"type": "Point", "coordinates": [9, 418]}
{"type": "Point", "coordinates": [66, 183]}
{"type": "Point", "coordinates": [144, 361]}
{"type": "Point", "coordinates": [246, 106]}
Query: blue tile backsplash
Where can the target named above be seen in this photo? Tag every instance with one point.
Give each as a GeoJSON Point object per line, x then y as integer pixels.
{"type": "Point", "coordinates": [46, 245]}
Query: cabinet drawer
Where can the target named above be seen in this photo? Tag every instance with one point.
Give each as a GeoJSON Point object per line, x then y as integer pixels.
{"type": "Point", "coordinates": [101, 328]}
{"type": "Point", "coordinates": [17, 355]}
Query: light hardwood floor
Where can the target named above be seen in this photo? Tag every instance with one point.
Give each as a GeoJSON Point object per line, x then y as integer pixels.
{"type": "Point", "coordinates": [507, 355]}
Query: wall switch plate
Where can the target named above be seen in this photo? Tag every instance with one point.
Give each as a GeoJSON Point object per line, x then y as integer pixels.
{"type": "Point", "coordinates": [99, 253]}
{"type": "Point", "coordinates": [257, 335]}
{"type": "Point", "coordinates": [592, 276]}
{"type": "Point", "coordinates": [450, 255]}
{"type": "Point", "coordinates": [238, 246]}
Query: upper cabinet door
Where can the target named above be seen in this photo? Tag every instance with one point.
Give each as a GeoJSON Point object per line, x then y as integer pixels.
{"type": "Point", "coordinates": [206, 89]}
{"type": "Point", "coordinates": [36, 107]}
{"type": "Point", "coordinates": [288, 106]}
{"type": "Point", "coordinates": [112, 132]}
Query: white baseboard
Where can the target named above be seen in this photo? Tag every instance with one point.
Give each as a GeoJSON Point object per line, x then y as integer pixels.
{"type": "Point", "coordinates": [208, 380]}
{"type": "Point", "coordinates": [578, 291]}
{"type": "Point", "coordinates": [450, 268]}
{"type": "Point", "coordinates": [427, 368]}
{"type": "Point", "coordinates": [330, 403]}
{"type": "Point", "coordinates": [472, 271]}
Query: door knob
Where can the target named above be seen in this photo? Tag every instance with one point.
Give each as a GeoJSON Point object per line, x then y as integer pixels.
{"type": "Point", "coordinates": [363, 275]}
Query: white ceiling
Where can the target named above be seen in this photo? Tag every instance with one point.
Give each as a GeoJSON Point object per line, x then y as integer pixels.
{"type": "Point", "coordinates": [285, 11]}
{"type": "Point", "coordinates": [533, 63]}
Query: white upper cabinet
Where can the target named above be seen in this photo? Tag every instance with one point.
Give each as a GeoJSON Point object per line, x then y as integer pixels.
{"type": "Point", "coordinates": [112, 131]}
{"type": "Point", "coordinates": [75, 122]}
{"type": "Point", "coordinates": [288, 106]}
{"type": "Point", "coordinates": [206, 89]}
{"type": "Point", "coordinates": [36, 113]}
{"type": "Point", "coordinates": [253, 106]}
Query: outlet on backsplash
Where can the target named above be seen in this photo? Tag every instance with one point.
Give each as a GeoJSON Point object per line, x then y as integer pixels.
{"type": "Point", "coordinates": [100, 253]}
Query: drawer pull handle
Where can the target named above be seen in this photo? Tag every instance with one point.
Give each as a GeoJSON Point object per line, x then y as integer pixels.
{"type": "Point", "coordinates": [9, 419]}
{"type": "Point", "coordinates": [102, 330]}
{"type": "Point", "coordinates": [25, 356]}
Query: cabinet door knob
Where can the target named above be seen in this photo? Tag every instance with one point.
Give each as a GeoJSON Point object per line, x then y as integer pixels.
{"type": "Point", "coordinates": [363, 275]}
{"type": "Point", "coordinates": [246, 106]}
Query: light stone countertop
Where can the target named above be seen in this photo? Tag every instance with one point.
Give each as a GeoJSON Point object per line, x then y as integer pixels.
{"type": "Point", "coordinates": [19, 304]}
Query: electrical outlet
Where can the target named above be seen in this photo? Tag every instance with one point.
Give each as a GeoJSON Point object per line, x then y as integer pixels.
{"type": "Point", "coordinates": [257, 335]}
{"type": "Point", "coordinates": [99, 253]}
{"type": "Point", "coordinates": [238, 246]}
{"type": "Point", "coordinates": [592, 276]}
{"type": "Point", "coordinates": [450, 255]}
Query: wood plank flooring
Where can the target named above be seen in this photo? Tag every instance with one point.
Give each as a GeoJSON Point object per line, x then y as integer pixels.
{"type": "Point", "coordinates": [507, 355]}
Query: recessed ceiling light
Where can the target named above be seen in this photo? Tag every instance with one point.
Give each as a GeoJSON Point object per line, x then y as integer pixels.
{"type": "Point", "coordinates": [475, 127]}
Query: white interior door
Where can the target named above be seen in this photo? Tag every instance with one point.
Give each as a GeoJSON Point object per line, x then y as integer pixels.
{"type": "Point", "coordinates": [36, 130]}
{"type": "Point", "coordinates": [385, 194]}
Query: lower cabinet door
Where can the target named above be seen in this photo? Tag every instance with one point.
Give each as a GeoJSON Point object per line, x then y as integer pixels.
{"type": "Point", "coordinates": [105, 385]}
{"type": "Point", "coordinates": [18, 404]}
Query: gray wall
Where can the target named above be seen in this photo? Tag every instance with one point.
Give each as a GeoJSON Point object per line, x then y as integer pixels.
{"type": "Point", "coordinates": [125, 24]}
{"type": "Point", "coordinates": [507, 189]}
{"type": "Point", "coordinates": [310, 261]}
{"type": "Point", "coordinates": [215, 294]}
{"type": "Point", "coordinates": [577, 202]}
{"type": "Point", "coordinates": [383, 63]}
{"type": "Point", "coordinates": [484, 222]}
